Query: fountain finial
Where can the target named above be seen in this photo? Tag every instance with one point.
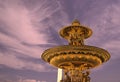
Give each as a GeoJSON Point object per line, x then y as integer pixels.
{"type": "Point", "coordinates": [76, 23]}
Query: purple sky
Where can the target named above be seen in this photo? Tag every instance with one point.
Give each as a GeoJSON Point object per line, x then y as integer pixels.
{"type": "Point", "coordinates": [28, 27]}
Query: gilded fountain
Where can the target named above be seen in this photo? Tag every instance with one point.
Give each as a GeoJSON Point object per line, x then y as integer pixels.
{"type": "Point", "coordinates": [76, 59]}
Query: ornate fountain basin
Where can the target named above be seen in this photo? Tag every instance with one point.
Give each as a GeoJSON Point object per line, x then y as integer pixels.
{"type": "Point", "coordinates": [69, 56]}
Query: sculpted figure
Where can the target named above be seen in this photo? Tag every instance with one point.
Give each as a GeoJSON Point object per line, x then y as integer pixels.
{"type": "Point", "coordinates": [67, 78]}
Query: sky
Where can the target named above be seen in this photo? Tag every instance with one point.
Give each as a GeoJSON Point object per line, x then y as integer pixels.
{"type": "Point", "coordinates": [28, 27]}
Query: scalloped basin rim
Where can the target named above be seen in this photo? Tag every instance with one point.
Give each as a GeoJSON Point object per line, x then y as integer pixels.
{"type": "Point", "coordinates": [86, 48]}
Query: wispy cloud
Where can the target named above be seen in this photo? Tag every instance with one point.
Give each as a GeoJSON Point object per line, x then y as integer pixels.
{"type": "Point", "coordinates": [24, 28]}
{"type": "Point", "coordinates": [21, 80]}
{"type": "Point", "coordinates": [31, 80]}
{"type": "Point", "coordinates": [108, 27]}
{"type": "Point", "coordinates": [104, 21]}
{"type": "Point", "coordinates": [18, 21]}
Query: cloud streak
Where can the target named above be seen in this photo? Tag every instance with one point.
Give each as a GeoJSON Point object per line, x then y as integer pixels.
{"type": "Point", "coordinates": [23, 28]}
{"type": "Point", "coordinates": [103, 18]}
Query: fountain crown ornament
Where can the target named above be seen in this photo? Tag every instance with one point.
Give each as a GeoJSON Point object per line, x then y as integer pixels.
{"type": "Point", "coordinates": [75, 33]}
